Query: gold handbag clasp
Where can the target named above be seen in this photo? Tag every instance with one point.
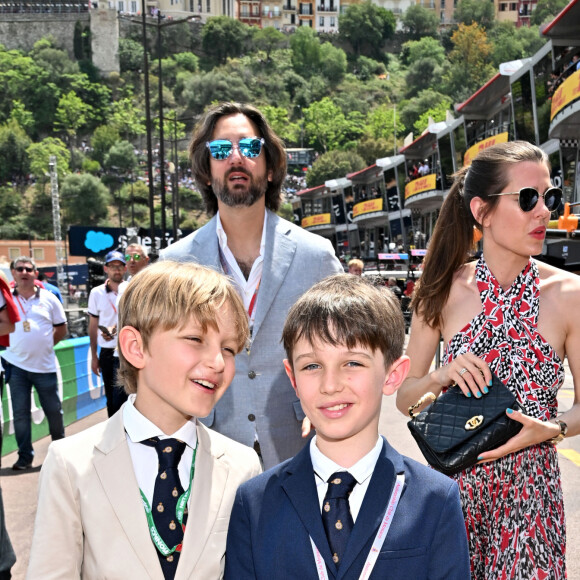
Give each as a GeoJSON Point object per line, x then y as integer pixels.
{"type": "Point", "coordinates": [474, 422]}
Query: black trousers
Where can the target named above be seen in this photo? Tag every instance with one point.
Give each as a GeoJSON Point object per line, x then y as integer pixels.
{"type": "Point", "coordinates": [115, 394]}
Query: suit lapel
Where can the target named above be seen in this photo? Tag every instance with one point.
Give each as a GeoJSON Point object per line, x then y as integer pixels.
{"type": "Point", "coordinates": [114, 468]}
{"type": "Point", "coordinates": [279, 252]}
{"type": "Point", "coordinates": [209, 483]}
{"type": "Point", "coordinates": [300, 488]}
{"type": "Point", "coordinates": [205, 247]}
{"type": "Point", "coordinates": [372, 510]}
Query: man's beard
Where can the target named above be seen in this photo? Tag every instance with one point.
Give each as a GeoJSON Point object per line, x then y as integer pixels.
{"type": "Point", "coordinates": [247, 196]}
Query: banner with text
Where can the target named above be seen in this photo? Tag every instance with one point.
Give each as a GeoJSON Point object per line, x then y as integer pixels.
{"type": "Point", "coordinates": [426, 183]}
{"type": "Point", "coordinates": [475, 149]}
{"type": "Point", "coordinates": [368, 206]}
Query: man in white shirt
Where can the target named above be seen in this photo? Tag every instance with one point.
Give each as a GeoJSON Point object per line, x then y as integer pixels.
{"type": "Point", "coordinates": [239, 165]}
{"type": "Point", "coordinates": [103, 329]}
{"type": "Point", "coordinates": [30, 360]}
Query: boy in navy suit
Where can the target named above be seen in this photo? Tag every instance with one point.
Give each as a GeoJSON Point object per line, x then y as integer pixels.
{"type": "Point", "coordinates": [348, 505]}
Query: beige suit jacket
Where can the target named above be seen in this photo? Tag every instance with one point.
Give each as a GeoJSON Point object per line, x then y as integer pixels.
{"type": "Point", "coordinates": [91, 523]}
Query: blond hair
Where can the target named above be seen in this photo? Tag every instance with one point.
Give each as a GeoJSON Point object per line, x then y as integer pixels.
{"type": "Point", "coordinates": [166, 295]}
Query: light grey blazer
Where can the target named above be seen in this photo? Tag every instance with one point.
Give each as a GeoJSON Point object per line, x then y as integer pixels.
{"type": "Point", "coordinates": [261, 397]}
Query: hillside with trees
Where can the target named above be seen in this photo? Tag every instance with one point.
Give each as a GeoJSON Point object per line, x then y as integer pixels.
{"type": "Point", "coordinates": [352, 96]}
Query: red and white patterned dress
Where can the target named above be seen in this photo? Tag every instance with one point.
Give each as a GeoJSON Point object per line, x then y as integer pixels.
{"type": "Point", "coordinates": [513, 507]}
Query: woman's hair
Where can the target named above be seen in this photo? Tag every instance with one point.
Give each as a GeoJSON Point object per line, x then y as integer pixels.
{"type": "Point", "coordinates": [452, 239]}
{"type": "Point", "coordinates": [347, 310]}
{"type": "Point", "coordinates": [273, 149]}
{"type": "Point", "coordinates": [168, 295]}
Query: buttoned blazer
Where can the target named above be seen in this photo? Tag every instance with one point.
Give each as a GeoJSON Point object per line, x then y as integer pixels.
{"type": "Point", "coordinates": [91, 523]}
{"type": "Point", "coordinates": [261, 397]}
{"type": "Point", "coordinates": [275, 515]}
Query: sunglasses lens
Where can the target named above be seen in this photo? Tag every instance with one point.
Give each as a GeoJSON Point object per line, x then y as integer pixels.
{"type": "Point", "coordinates": [553, 198]}
{"type": "Point", "coordinates": [220, 149]}
{"type": "Point", "coordinates": [528, 198]}
{"type": "Point", "coordinates": [250, 147]}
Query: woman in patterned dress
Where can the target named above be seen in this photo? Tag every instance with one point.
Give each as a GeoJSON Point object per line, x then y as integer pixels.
{"type": "Point", "coordinates": [489, 316]}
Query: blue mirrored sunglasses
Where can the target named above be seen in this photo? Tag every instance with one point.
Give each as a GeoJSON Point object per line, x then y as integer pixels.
{"type": "Point", "coordinates": [221, 149]}
{"type": "Point", "coordinates": [528, 197]}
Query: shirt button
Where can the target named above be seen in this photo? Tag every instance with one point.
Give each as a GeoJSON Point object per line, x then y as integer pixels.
{"type": "Point", "coordinates": [252, 417]}
{"type": "Point", "coordinates": [252, 374]}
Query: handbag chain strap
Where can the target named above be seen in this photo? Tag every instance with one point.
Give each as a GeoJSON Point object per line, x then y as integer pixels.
{"type": "Point", "coordinates": [426, 397]}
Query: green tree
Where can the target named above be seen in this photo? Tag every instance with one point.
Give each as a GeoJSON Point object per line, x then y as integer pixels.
{"type": "Point", "coordinates": [332, 63]}
{"type": "Point", "coordinates": [365, 27]}
{"type": "Point", "coordinates": [12, 216]}
{"type": "Point", "coordinates": [411, 110]}
{"type": "Point", "coordinates": [39, 154]}
{"type": "Point", "coordinates": [14, 143]}
{"type": "Point", "coordinates": [332, 165]}
{"type": "Point", "coordinates": [546, 10]}
{"type": "Point", "coordinates": [371, 149]}
{"type": "Point", "coordinates": [269, 39]}
{"type": "Point", "coordinates": [39, 218]}
{"type": "Point", "coordinates": [223, 37]}
{"type": "Point", "coordinates": [427, 47]}
{"type": "Point", "coordinates": [305, 47]}
{"type": "Point", "coordinates": [511, 43]}
{"type": "Point", "coordinates": [127, 117]}
{"type": "Point", "coordinates": [187, 61]}
{"type": "Point", "coordinates": [75, 191]}
{"type": "Point", "coordinates": [325, 125]}
{"type": "Point", "coordinates": [366, 68]}
{"type": "Point", "coordinates": [131, 55]}
{"type": "Point", "coordinates": [203, 89]}
{"type": "Point", "coordinates": [437, 113]}
{"type": "Point", "coordinates": [22, 116]}
{"type": "Point", "coordinates": [279, 120]}
{"type": "Point", "coordinates": [423, 74]}
{"type": "Point", "coordinates": [121, 158]}
{"type": "Point", "coordinates": [419, 22]}
{"type": "Point", "coordinates": [103, 139]}
{"type": "Point", "coordinates": [482, 12]}
{"type": "Point", "coordinates": [383, 122]}
{"type": "Point", "coordinates": [71, 115]}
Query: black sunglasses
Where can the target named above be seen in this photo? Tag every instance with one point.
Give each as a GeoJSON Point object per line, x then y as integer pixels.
{"type": "Point", "coordinates": [529, 197]}
{"type": "Point", "coordinates": [24, 269]}
{"type": "Point", "coordinates": [221, 149]}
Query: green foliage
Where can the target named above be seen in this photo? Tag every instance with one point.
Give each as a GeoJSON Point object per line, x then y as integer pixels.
{"type": "Point", "coordinates": [371, 149]}
{"type": "Point", "coordinates": [214, 86]}
{"type": "Point", "coordinates": [223, 37]}
{"type": "Point", "coordinates": [366, 68]}
{"type": "Point", "coordinates": [13, 156]}
{"type": "Point", "coordinates": [71, 114]}
{"type": "Point", "coordinates": [12, 217]}
{"type": "Point", "coordinates": [75, 191]}
{"type": "Point", "coordinates": [187, 61]}
{"type": "Point", "coordinates": [104, 137]}
{"type": "Point", "coordinates": [131, 55]}
{"type": "Point", "coordinates": [279, 120]}
{"type": "Point", "coordinates": [286, 212]}
{"type": "Point", "coordinates": [121, 158]}
{"type": "Point", "coordinates": [39, 219]}
{"type": "Point", "coordinates": [20, 115]}
{"type": "Point", "coordinates": [325, 125]}
{"type": "Point", "coordinates": [305, 47]}
{"type": "Point", "coordinates": [127, 117]}
{"type": "Point", "coordinates": [39, 154]}
{"type": "Point", "coordinates": [546, 10]}
{"type": "Point", "coordinates": [269, 39]}
{"type": "Point", "coordinates": [332, 165]}
{"type": "Point", "coordinates": [90, 166]}
{"type": "Point", "coordinates": [419, 22]}
{"type": "Point", "coordinates": [482, 12]}
{"type": "Point", "coordinates": [511, 43]}
{"type": "Point", "coordinates": [437, 113]}
{"type": "Point", "coordinates": [423, 74]}
{"type": "Point", "coordinates": [366, 27]}
{"type": "Point", "coordinates": [332, 63]}
{"type": "Point", "coordinates": [190, 200]}
{"type": "Point", "coordinates": [412, 109]}
{"type": "Point", "coordinates": [427, 47]}
{"type": "Point", "coordinates": [383, 121]}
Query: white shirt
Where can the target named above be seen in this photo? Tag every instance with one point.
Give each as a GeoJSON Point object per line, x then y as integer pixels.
{"type": "Point", "coordinates": [33, 350]}
{"type": "Point", "coordinates": [144, 458]}
{"type": "Point", "coordinates": [103, 305]}
{"type": "Point", "coordinates": [246, 288]}
{"type": "Point", "coordinates": [362, 471]}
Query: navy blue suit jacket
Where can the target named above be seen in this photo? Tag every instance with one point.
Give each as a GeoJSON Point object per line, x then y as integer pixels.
{"type": "Point", "coordinates": [275, 513]}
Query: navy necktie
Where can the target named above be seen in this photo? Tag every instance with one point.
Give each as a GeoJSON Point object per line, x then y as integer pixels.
{"type": "Point", "coordinates": [167, 491]}
{"type": "Point", "coordinates": [336, 517]}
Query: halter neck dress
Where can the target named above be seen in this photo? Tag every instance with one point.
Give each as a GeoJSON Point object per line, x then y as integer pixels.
{"type": "Point", "coordinates": [513, 507]}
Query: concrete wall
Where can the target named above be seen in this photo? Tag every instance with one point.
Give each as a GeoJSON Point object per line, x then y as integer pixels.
{"type": "Point", "coordinates": [21, 31]}
{"type": "Point", "coordinates": [105, 38]}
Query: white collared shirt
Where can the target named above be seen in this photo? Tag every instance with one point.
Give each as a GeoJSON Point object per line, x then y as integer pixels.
{"type": "Point", "coordinates": [362, 471]}
{"type": "Point", "coordinates": [246, 288]}
{"type": "Point", "coordinates": [144, 458]}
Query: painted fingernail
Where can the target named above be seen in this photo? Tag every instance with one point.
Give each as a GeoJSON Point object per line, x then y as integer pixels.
{"type": "Point", "coordinates": [480, 458]}
{"type": "Point", "coordinates": [490, 382]}
{"type": "Point", "coordinates": [478, 395]}
{"type": "Point", "coordinates": [509, 411]}
{"type": "Point", "coordinates": [469, 393]}
{"type": "Point", "coordinates": [485, 390]}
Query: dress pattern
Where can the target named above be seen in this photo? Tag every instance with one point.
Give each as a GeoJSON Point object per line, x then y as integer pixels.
{"type": "Point", "coordinates": [513, 507]}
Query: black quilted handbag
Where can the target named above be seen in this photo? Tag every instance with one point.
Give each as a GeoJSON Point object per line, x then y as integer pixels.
{"type": "Point", "coordinates": [454, 430]}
